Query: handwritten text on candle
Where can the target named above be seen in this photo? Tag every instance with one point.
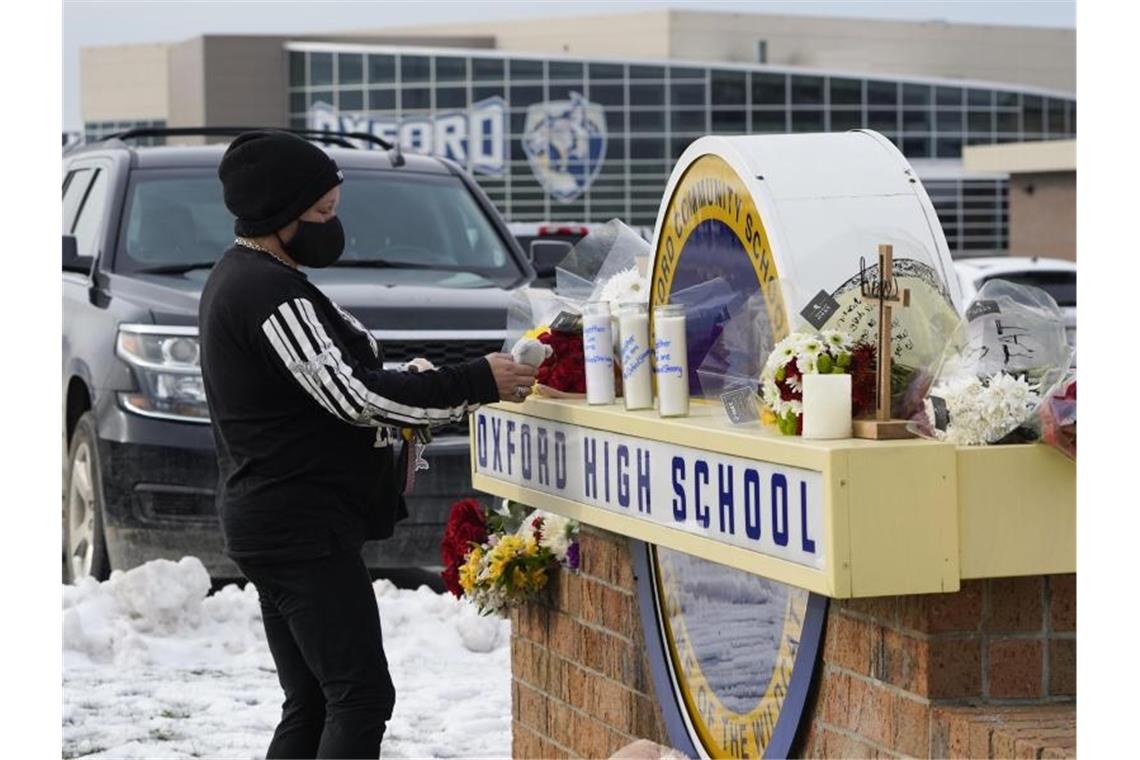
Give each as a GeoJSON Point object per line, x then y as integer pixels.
{"type": "Point", "coordinates": [772, 509]}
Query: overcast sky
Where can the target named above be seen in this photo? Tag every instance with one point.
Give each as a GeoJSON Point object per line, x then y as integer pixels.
{"type": "Point", "coordinates": [104, 22]}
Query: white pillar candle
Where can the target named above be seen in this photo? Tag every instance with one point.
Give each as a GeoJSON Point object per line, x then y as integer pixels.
{"type": "Point", "coordinates": [671, 361]}
{"type": "Point", "coordinates": [636, 380]}
{"type": "Point", "coordinates": [598, 351]}
{"type": "Point", "coordinates": [827, 406]}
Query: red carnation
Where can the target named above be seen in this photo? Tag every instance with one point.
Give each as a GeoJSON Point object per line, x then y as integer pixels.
{"type": "Point", "coordinates": [565, 369]}
{"type": "Point", "coordinates": [466, 525]}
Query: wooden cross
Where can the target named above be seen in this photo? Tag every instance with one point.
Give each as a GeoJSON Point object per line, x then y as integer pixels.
{"type": "Point", "coordinates": [885, 292]}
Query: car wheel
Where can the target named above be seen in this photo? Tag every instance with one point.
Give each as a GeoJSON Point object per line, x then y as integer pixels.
{"type": "Point", "coordinates": [85, 546]}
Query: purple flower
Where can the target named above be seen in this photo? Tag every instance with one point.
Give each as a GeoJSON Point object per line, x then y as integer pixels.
{"type": "Point", "coordinates": [572, 555]}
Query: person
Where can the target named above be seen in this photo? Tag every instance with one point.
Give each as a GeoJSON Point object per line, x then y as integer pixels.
{"type": "Point", "coordinates": [305, 421]}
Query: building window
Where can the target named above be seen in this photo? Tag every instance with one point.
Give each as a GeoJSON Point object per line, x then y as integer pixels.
{"type": "Point", "coordinates": [350, 68]}
{"type": "Point", "coordinates": [381, 69]}
{"type": "Point", "coordinates": [320, 69]}
{"type": "Point", "coordinates": [486, 69]}
{"type": "Point", "coordinates": [729, 88]}
{"type": "Point", "coordinates": [807, 90]}
{"type": "Point", "coordinates": [450, 69]}
{"type": "Point", "coordinates": [846, 92]}
{"type": "Point", "coordinates": [761, 51]}
{"type": "Point", "coordinates": [883, 94]}
{"type": "Point", "coordinates": [769, 90]}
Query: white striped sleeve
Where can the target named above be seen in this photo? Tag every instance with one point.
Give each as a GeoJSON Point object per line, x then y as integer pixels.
{"type": "Point", "coordinates": [316, 361]}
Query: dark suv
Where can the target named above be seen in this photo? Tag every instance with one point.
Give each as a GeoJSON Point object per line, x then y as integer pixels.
{"type": "Point", "coordinates": [428, 267]}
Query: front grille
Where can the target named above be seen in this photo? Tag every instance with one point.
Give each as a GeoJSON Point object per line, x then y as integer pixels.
{"type": "Point", "coordinates": [440, 353]}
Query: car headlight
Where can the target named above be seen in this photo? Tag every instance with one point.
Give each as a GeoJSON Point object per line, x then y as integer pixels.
{"type": "Point", "coordinates": [166, 363]}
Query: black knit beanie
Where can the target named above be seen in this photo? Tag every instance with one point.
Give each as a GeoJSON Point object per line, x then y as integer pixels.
{"type": "Point", "coordinates": [270, 177]}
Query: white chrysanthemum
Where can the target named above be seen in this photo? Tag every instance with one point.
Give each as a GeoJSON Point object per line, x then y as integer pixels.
{"type": "Point", "coordinates": [837, 341]}
{"type": "Point", "coordinates": [770, 391]}
{"type": "Point", "coordinates": [624, 287]}
{"type": "Point", "coordinates": [983, 411]}
{"type": "Point", "coordinates": [808, 351]}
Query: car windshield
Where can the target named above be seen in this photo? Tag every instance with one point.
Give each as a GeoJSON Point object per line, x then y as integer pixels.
{"type": "Point", "coordinates": [1061, 285]}
{"type": "Point", "coordinates": [176, 218]}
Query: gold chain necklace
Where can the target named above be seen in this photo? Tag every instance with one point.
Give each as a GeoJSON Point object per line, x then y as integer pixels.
{"type": "Point", "coordinates": [250, 244]}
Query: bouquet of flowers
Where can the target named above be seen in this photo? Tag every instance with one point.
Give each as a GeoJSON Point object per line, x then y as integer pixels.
{"type": "Point", "coordinates": [799, 354]}
{"type": "Point", "coordinates": [999, 366]}
{"type": "Point", "coordinates": [503, 559]}
{"type": "Point", "coordinates": [1059, 418]}
{"type": "Point", "coordinates": [603, 266]}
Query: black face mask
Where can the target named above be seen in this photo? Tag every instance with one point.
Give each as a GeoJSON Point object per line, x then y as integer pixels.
{"type": "Point", "coordinates": [316, 244]}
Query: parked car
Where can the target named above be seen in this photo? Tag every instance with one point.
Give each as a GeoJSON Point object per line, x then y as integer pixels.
{"type": "Point", "coordinates": [429, 265]}
{"type": "Point", "coordinates": [1057, 277]}
{"type": "Point", "coordinates": [546, 243]}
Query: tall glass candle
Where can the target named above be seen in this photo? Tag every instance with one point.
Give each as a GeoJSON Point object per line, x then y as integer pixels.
{"type": "Point", "coordinates": [827, 406]}
{"type": "Point", "coordinates": [637, 382]}
{"type": "Point", "coordinates": [598, 350]}
{"type": "Point", "coordinates": [671, 361]}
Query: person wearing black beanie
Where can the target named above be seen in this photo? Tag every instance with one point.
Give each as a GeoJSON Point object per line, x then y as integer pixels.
{"type": "Point", "coordinates": [305, 418]}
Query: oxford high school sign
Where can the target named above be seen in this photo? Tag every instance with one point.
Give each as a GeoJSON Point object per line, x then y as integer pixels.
{"type": "Point", "coordinates": [771, 509]}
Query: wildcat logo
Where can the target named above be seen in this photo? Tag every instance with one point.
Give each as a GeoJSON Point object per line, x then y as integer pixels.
{"type": "Point", "coordinates": [565, 142]}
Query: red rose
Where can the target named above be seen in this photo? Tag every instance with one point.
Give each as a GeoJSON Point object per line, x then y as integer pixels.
{"type": "Point", "coordinates": [466, 525]}
{"type": "Point", "coordinates": [565, 369]}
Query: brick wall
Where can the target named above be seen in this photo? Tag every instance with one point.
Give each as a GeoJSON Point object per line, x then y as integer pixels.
{"type": "Point", "coordinates": [988, 671]}
{"type": "Point", "coordinates": [582, 686]}
{"type": "Point", "coordinates": [890, 664]}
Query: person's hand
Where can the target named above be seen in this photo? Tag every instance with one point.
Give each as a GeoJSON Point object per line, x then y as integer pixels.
{"type": "Point", "coordinates": [419, 364]}
{"type": "Point", "coordinates": [513, 380]}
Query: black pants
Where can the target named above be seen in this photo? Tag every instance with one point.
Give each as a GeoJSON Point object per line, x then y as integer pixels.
{"type": "Point", "coordinates": [323, 629]}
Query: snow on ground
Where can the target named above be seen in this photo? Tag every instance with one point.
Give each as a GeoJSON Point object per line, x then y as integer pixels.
{"type": "Point", "coordinates": [154, 667]}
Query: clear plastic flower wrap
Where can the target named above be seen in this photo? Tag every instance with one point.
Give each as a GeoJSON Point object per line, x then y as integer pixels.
{"type": "Point", "coordinates": [735, 358]}
{"type": "Point", "coordinates": [1006, 356]}
{"type": "Point", "coordinates": [606, 265]}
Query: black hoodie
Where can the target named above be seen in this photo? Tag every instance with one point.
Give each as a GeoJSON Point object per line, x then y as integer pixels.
{"type": "Point", "coordinates": [305, 417]}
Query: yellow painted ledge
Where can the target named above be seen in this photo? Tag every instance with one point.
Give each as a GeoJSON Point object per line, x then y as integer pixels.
{"type": "Point", "coordinates": [901, 517]}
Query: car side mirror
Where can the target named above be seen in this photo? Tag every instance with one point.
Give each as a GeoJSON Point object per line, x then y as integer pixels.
{"type": "Point", "coordinates": [546, 255]}
{"type": "Point", "coordinates": [72, 261]}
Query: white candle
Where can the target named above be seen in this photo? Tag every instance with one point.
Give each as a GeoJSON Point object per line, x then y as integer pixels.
{"type": "Point", "coordinates": [671, 361]}
{"type": "Point", "coordinates": [598, 350]}
{"type": "Point", "coordinates": [637, 382]}
{"type": "Point", "coordinates": [827, 406]}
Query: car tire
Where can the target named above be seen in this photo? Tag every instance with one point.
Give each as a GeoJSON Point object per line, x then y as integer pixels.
{"type": "Point", "coordinates": [85, 544]}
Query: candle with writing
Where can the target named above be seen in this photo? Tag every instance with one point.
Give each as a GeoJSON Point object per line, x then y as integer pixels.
{"type": "Point", "coordinates": [633, 329]}
{"type": "Point", "coordinates": [671, 361]}
{"type": "Point", "coordinates": [827, 406]}
{"type": "Point", "coordinates": [598, 348]}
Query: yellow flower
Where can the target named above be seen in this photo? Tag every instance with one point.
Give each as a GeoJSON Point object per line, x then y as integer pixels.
{"type": "Point", "coordinates": [537, 578]}
{"type": "Point", "coordinates": [503, 552]}
{"type": "Point", "coordinates": [767, 416]}
{"type": "Point", "coordinates": [469, 573]}
{"type": "Point", "coordinates": [518, 579]}
{"type": "Point", "coordinates": [536, 331]}
{"type": "Point", "coordinates": [531, 547]}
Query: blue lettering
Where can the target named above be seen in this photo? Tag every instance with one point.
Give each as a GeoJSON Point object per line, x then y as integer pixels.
{"type": "Point", "coordinates": [643, 483]}
{"type": "Point", "coordinates": [724, 489]}
{"type": "Point", "coordinates": [623, 475]}
{"type": "Point", "coordinates": [678, 489]}
{"type": "Point", "coordinates": [510, 445]}
{"type": "Point", "coordinates": [700, 472]}
{"type": "Point", "coordinates": [496, 429]}
{"type": "Point", "coordinates": [559, 460]}
{"type": "Point", "coordinates": [780, 509]}
{"type": "Point", "coordinates": [606, 467]}
{"type": "Point", "coordinates": [527, 454]}
{"type": "Point", "coordinates": [543, 460]}
{"type": "Point", "coordinates": [808, 544]}
{"type": "Point", "coordinates": [590, 454]}
{"type": "Point", "coordinates": [481, 440]}
{"type": "Point", "coordinates": [752, 503]}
